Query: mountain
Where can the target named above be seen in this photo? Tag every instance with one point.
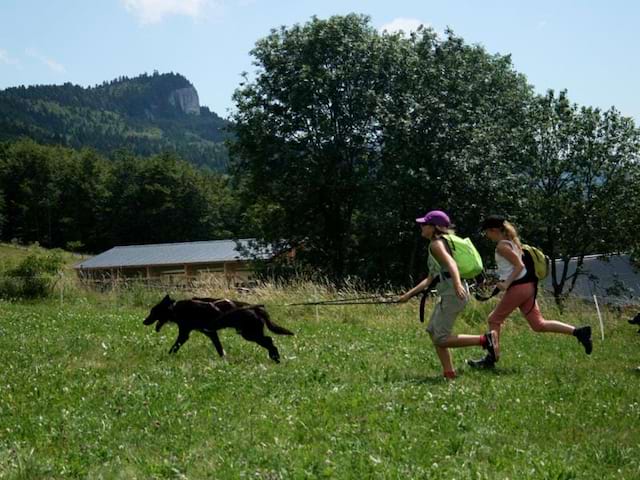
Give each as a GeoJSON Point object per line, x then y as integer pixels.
{"type": "Point", "coordinates": [146, 115]}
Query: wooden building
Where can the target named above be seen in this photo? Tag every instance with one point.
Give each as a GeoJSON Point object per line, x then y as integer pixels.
{"type": "Point", "coordinates": [172, 262]}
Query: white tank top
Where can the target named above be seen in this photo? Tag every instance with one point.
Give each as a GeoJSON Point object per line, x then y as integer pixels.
{"type": "Point", "coordinates": [505, 267]}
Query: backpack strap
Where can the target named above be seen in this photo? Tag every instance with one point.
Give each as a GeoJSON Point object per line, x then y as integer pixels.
{"type": "Point", "coordinates": [530, 268]}
{"type": "Point", "coordinates": [447, 245]}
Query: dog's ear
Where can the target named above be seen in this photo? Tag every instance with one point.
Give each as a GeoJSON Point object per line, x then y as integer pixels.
{"type": "Point", "coordinates": [167, 300]}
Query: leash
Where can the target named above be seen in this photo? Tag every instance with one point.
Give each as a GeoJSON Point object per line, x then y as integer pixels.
{"type": "Point", "coordinates": [368, 300]}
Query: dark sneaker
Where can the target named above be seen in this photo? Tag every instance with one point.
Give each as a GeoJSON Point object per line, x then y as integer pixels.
{"type": "Point", "coordinates": [583, 334]}
{"type": "Point", "coordinates": [635, 320]}
{"type": "Point", "coordinates": [487, 362]}
{"type": "Point", "coordinates": [491, 344]}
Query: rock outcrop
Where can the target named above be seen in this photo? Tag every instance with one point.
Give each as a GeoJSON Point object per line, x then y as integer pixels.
{"type": "Point", "coordinates": [186, 99]}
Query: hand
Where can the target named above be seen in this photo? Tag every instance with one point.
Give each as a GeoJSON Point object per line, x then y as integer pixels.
{"type": "Point", "coordinates": [502, 286]}
{"type": "Point", "coordinates": [461, 292]}
{"type": "Point", "coordinates": [404, 298]}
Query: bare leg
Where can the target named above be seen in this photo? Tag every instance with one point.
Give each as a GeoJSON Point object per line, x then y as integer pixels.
{"type": "Point", "coordinates": [445, 359]}
{"type": "Point", "coordinates": [456, 341]}
{"type": "Point", "coordinates": [553, 326]}
{"type": "Point", "coordinates": [538, 323]}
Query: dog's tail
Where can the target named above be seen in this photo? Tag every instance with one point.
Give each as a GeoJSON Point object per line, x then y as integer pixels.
{"type": "Point", "coordinates": [270, 324]}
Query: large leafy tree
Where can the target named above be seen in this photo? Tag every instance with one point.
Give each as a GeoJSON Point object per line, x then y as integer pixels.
{"type": "Point", "coordinates": [307, 134]}
{"type": "Point", "coordinates": [345, 135]}
{"type": "Point", "coordinates": [451, 132]}
{"type": "Point", "coordinates": [581, 174]}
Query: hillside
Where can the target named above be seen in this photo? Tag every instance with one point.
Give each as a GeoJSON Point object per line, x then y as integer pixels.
{"type": "Point", "coordinates": [147, 114]}
{"type": "Point", "coordinates": [11, 255]}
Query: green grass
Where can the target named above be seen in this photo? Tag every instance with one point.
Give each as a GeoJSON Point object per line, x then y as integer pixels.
{"type": "Point", "coordinates": [86, 391]}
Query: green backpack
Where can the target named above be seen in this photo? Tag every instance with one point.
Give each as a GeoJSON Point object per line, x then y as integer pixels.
{"type": "Point", "coordinates": [466, 256]}
{"type": "Point", "coordinates": [537, 260]}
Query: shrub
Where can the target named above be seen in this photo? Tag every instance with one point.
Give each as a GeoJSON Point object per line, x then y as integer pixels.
{"type": "Point", "coordinates": [34, 277]}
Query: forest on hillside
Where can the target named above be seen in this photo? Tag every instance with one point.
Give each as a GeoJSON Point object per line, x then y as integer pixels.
{"type": "Point", "coordinates": [139, 115]}
{"type": "Point", "coordinates": [340, 140]}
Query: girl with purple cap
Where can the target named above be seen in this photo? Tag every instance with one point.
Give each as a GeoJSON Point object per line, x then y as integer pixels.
{"type": "Point", "coordinates": [519, 287]}
{"type": "Point", "coordinates": [453, 292]}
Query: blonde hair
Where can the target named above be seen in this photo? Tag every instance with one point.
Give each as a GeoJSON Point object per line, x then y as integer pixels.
{"type": "Point", "coordinates": [511, 233]}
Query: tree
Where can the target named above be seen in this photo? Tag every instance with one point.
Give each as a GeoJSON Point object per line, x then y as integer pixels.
{"type": "Point", "coordinates": [2, 215]}
{"type": "Point", "coordinates": [27, 177]}
{"type": "Point", "coordinates": [306, 134]}
{"type": "Point", "coordinates": [452, 123]}
{"type": "Point", "coordinates": [581, 175]}
{"type": "Point", "coordinates": [60, 197]}
{"type": "Point", "coordinates": [346, 135]}
{"type": "Point", "coordinates": [161, 200]}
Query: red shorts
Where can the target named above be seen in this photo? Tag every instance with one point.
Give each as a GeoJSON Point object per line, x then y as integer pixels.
{"type": "Point", "coordinates": [518, 296]}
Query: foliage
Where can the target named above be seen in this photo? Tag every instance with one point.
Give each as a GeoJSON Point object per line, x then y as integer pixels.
{"type": "Point", "coordinates": [137, 114]}
{"type": "Point", "coordinates": [343, 137]}
{"type": "Point", "coordinates": [581, 173]}
{"type": "Point", "coordinates": [87, 391]}
{"type": "Point", "coordinates": [346, 135]}
{"type": "Point", "coordinates": [34, 277]}
{"type": "Point", "coordinates": [59, 197]}
{"type": "Point", "coordinates": [2, 212]}
{"type": "Point", "coordinates": [306, 130]}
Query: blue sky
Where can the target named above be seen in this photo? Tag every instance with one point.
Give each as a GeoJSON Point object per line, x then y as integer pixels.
{"type": "Point", "coordinates": [587, 47]}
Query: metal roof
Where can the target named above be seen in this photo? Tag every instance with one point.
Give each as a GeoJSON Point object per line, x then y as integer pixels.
{"type": "Point", "coordinates": [169, 254]}
{"type": "Point", "coordinates": [614, 279]}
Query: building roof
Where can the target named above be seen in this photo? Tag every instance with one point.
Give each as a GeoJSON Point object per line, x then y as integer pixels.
{"type": "Point", "coordinates": [614, 279]}
{"type": "Point", "coordinates": [169, 254]}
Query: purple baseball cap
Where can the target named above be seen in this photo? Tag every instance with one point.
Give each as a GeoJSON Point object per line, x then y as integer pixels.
{"type": "Point", "coordinates": [435, 217]}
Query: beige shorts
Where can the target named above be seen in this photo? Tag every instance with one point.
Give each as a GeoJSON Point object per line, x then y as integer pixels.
{"type": "Point", "coordinates": [445, 312]}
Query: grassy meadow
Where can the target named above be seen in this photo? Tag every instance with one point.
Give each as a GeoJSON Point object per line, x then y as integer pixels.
{"type": "Point", "coordinates": [87, 391]}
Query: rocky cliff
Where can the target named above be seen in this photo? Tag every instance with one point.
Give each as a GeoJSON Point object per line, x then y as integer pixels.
{"type": "Point", "coordinates": [186, 99]}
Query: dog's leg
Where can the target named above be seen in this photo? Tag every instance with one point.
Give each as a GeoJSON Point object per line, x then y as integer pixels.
{"type": "Point", "coordinates": [182, 338]}
{"type": "Point", "coordinates": [267, 343]}
{"type": "Point", "coordinates": [216, 342]}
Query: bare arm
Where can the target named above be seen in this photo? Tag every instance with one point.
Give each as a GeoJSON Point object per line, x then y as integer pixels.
{"type": "Point", "coordinates": [417, 289]}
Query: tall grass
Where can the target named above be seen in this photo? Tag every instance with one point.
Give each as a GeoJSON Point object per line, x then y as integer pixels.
{"type": "Point", "coordinates": [87, 391]}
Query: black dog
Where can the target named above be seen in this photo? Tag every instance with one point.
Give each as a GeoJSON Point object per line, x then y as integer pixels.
{"type": "Point", "coordinates": [208, 315]}
{"type": "Point", "coordinates": [635, 321]}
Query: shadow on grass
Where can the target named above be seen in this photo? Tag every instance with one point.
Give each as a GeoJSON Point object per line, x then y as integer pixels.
{"type": "Point", "coordinates": [438, 379]}
{"type": "Point", "coordinates": [423, 379]}
{"type": "Point", "coordinates": [495, 372]}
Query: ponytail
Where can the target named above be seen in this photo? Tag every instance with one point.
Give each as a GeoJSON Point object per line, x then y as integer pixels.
{"type": "Point", "coordinates": [511, 233]}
